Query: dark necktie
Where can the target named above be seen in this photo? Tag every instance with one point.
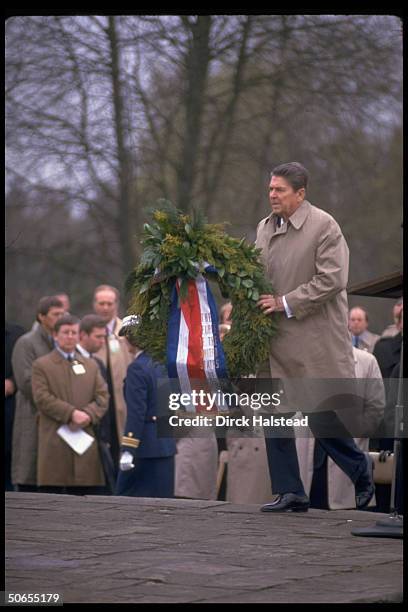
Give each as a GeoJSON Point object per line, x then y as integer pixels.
{"type": "Point", "coordinates": [110, 415]}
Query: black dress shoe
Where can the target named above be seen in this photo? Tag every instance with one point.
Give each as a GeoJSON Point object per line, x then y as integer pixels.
{"type": "Point", "coordinates": [288, 502]}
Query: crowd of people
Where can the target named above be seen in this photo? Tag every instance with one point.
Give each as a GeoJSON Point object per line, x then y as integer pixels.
{"type": "Point", "coordinates": [82, 398]}
{"type": "Point", "coordinates": [74, 372]}
{"type": "Point", "coordinates": [65, 375]}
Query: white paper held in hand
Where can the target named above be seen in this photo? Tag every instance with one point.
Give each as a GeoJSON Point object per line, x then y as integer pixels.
{"type": "Point", "coordinates": [79, 440]}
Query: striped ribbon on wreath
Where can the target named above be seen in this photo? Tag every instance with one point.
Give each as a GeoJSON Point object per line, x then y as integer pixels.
{"type": "Point", "coordinates": [194, 350]}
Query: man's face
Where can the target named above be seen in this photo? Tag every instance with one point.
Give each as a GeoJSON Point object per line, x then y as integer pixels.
{"type": "Point", "coordinates": [105, 305]}
{"type": "Point", "coordinates": [67, 337]}
{"type": "Point", "coordinates": [93, 341]}
{"type": "Point", "coordinates": [283, 198]}
{"type": "Point", "coordinates": [49, 320]}
{"type": "Point", "coordinates": [357, 321]}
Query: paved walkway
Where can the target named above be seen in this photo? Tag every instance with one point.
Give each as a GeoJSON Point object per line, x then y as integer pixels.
{"type": "Point", "coordinates": [122, 549]}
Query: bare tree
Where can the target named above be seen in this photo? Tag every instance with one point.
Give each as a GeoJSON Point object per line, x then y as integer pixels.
{"type": "Point", "coordinates": [105, 114]}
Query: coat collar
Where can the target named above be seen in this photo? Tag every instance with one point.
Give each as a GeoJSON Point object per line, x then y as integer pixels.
{"type": "Point", "coordinates": [41, 331]}
{"type": "Point", "coordinates": [297, 219]}
{"type": "Point", "coordinates": [365, 336]}
{"type": "Point", "coordinates": [57, 357]}
{"type": "Point", "coordinates": [114, 326]}
{"type": "Point", "coordinates": [300, 215]}
{"type": "Point", "coordinates": [142, 357]}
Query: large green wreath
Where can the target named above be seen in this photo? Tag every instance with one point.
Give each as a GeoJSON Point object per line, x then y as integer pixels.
{"type": "Point", "coordinates": [176, 245]}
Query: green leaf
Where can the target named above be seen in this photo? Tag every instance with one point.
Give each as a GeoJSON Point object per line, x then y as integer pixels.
{"type": "Point", "coordinates": [248, 283]}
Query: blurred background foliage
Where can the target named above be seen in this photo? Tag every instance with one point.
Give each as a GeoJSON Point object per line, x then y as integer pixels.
{"type": "Point", "coordinates": [105, 114]}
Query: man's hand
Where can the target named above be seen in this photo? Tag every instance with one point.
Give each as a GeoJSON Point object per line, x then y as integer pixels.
{"type": "Point", "coordinates": [9, 387]}
{"type": "Point", "coordinates": [271, 303]}
{"type": "Point", "coordinates": [126, 462]}
{"type": "Point", "coordinates": [79, 420]}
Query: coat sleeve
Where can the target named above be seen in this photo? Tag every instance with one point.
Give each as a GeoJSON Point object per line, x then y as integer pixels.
{"type": "Point", "coordinates": [331, 273]}
{"type": "Point", "coordinates": [22, 359]}
{"type": "Point", "coordinates": [374, 399]}
{"type": "Point", "coordinates": [97, 408]}
{"type": "Point", "coordinates": [136, 396]}
{"type": "Point", "coordinates": [45, 401]}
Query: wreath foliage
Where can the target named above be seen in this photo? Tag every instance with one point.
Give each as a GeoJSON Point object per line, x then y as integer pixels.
{"type": "Point", "coordinates": [177, 245]}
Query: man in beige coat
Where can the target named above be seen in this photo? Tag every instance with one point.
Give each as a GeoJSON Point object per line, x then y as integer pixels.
{"type": "Point", "coordinates": [68, 389]}
{"type": "Point", "coordinates": [306, 260]}
{"type": "Point", "coordinates": [115, 356]}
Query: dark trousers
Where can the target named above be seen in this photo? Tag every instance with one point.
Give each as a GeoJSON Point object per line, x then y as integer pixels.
{"type": "Point", "coordinates": [152, 477]}
{"type": "Point", "coordinates": [8, 434]}
{"type": "Point", "coordinates": [282, 456]}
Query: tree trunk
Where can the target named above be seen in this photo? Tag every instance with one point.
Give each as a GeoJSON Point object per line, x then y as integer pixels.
{"type": "Point", "coordinates": [197, 60]}
{"type": "Point", "coordinates": [227, 124]}
{"type": "Point", "coordinates": [126, 214]}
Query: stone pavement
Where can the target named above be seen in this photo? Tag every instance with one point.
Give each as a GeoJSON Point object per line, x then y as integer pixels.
{"type": "Point", "coordinates": [135, 550]}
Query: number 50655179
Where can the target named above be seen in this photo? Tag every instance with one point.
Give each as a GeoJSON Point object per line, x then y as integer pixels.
{"type": "Point", "coordinates": [51, 599]}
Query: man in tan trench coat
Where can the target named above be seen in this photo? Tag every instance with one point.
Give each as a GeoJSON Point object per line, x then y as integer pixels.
{"type": "Point", "coordinates": [115, 356]}
{"type": "Point", "coordinates": [68, 389]}
{"type": "Point", "coordinates": [306, 260]}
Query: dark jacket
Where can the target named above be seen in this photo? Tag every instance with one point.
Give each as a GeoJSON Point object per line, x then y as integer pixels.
{"type": "Point", "coordinates": [141, 395]}
{"type": "Point", "coordinates": [12, 333]}
{"type": "Point", "coordinates": [387, 351]}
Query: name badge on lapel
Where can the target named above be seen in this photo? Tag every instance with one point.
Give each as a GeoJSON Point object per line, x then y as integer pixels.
{"type": "Point", "coordinates": [78, 368]}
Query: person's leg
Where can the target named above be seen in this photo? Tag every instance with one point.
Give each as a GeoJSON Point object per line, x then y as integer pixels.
{"type": "Point", "coordinates": [86, 490]}
{"type": "Point", "coordinates": [399, 494]}
{"type": "Point", "coordinates": [339, 445]}
{"type": "Point", "coordinates": [283, 460]}
{"type": "Point", "coordinates": [346, 454]}
{"type": "Point", "coordinates": [8, 436]}
{"type": "Point", "coordinates": [8, 485]}
{"type": "Point", "coordinates": [27, 488]}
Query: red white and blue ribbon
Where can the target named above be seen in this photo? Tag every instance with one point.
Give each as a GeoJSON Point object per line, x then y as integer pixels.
{"type": "Point", "coordinates": [194, 349]}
